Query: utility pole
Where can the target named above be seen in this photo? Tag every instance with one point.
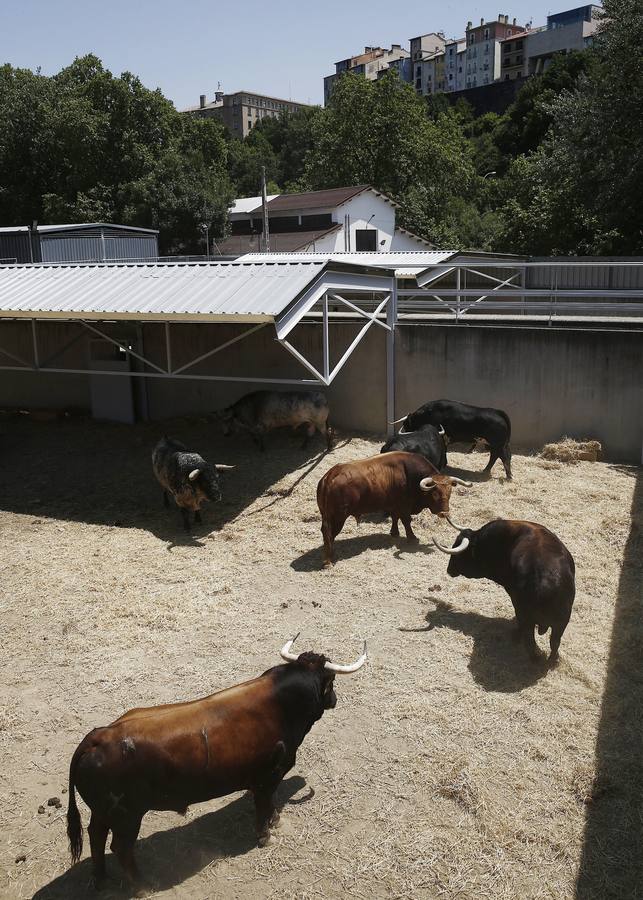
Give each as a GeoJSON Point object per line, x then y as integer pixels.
{"type": "Point", "coordinates": [264, 205]}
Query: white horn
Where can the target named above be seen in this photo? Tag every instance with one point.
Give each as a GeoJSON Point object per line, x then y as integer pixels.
{"type": "Point", "coordinates": [460, 481]}
{"type": "Point", "coordinates": [194, 474]}
{"type": "Point", "coordinates": [441, 431]}
{"type": "Point", "coordinates": [397, 421]}
{"type": "Point", "coordinates": [285, 650]}
{"type": "Point", "coordinates": [451, 550]}
{"type": "Point", "coordinates": [401, 431]}
{"type": "Point", "coordinates": [347, 670]}
{"type": "Point", "coordinates": [454, 524]}
{"type": "Point", "coordinates": [221, 467]}
{"type": "Point", "coordinates": [427, 484]}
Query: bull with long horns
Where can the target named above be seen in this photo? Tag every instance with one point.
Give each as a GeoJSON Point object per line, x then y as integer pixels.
{"type": "Point", "coordinates": [168, 757]}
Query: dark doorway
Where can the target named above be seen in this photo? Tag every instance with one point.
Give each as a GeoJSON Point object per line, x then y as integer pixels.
{"type": "Point", "coordinates": [366, 239]}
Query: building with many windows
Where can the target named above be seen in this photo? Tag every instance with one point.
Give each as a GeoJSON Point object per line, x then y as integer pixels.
{"type": "Point", "coordinates": [483, 56]}
{"type": "Point", "coordinates": [371, 64]}
{"type": "Point", "coordinates": [455, 54]}
{"type": "Point", "coordinates": [243, 109]}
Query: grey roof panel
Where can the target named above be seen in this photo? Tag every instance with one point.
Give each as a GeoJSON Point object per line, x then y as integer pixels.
{"type": "Point", "coordinates": [214, 290]}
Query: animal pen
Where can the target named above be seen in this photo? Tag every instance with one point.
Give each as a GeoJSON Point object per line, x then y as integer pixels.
{"type": "Point", "coordinates": [381, 332]}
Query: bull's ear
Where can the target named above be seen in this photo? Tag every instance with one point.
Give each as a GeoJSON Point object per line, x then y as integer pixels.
{"type": "Point", "coordinates": [194, 474]}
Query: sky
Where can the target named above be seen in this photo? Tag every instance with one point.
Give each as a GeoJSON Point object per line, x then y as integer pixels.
{"type": "Point", "coordinates": [281, 48]}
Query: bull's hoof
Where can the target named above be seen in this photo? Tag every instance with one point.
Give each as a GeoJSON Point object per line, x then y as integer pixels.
{"type": "Point", "coordinates": [412, 539]}
{"type": "Point", "coordinates": [328, 564]}
{"type": "Point", "coordinates": [275, 820]}
{"type": "Point", "coordinates": [263, 839]}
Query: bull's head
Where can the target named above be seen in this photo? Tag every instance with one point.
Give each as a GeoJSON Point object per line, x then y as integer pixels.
{"type": "Point", "coordinates": [463, 557]}
{"type": "Point", "coordinates": [205, 481]}
{"type": "Point", "coordinates": [328, 669]}
{"type": "Point", "coordinates": [438, 490]}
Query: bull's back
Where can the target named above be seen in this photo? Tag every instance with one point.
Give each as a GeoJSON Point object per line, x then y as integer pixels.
{"type": "Point", "coordinates": [375, 484]}
{"type": "Point", "coordinates": [170, 756]}
{"type": "Point", "coordinates": [292, 408]}
{"type": "Point", "coordinates": [544, 571]}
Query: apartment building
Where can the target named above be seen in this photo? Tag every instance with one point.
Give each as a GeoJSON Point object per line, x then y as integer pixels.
{"type": "Point", "coordinates": [483, 50]}
{"type": "Point", "coordinates": [241, 111]}
{"type": "Point", "coordinates": [513, 57]}
{"type": "Point", "coordinates": [573, 29]}
{"type": "Point", "coordinates": [455, 53]}
{"type": "Point", "coordinates": [427, 58]}
{"type": "Point", "coordinates": [371, 64]}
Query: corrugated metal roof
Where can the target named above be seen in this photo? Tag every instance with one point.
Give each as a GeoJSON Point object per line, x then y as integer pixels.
{"type": "Point", "coordinates": [248, 204]}
{"type": "Point", "coordinates": [404, 262]}
{"type": "Point", "coordinates": [210, 291]}
{"type": "Point", "coordinates": [44, 229]}
{"type": "Point", "coordinates": [316, 199]}
{"type": "Point", "coordinates": [285, 242]}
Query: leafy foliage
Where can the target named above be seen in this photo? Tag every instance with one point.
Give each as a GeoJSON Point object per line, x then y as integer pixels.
{"type": "Point", "coordinates": [581, 190]}
{"type": "Point", "coordinates": [86, 146]}
{"type": "Point", "coordinates": [560, 172]}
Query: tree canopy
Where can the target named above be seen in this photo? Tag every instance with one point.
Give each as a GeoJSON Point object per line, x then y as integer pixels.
{"type": "Point", "coordinates": [561, 171]}
{"type": "Point", "coordinates": [84, 145]}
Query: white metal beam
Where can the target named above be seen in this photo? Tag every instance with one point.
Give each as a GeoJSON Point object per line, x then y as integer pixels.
{"type": "Point", "coordinates": [344, 359]}
{"type": "Point", "coordinates": [330, 281]}
{"type": "Point", "coordinates": [361, 312]}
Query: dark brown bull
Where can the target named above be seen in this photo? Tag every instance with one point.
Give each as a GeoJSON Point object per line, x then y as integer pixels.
{"type": "Point", "coordinates": [168, 757]}
{"type": "Point", "coordinates": [399, 484]}
{"type": "Point", "coordinates": [534, 567]}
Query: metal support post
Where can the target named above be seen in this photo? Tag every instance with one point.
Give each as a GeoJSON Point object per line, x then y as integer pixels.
{"type": "Point", "coordinates": [36, 362]}
{"type": "Point", "coordinates": [326, 366]}
{"type": "Point", "coordinates": [391, 320]}
{"type": "Point", "coordinates": [168, 348]}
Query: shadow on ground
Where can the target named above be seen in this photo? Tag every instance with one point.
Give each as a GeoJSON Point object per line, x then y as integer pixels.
{"type": "Point", "coordinates": [80, 470]}
{"type": "Point", "coordinates": [168, 858]}
{"type": "Point", "coordinates": [347, 548]}
{"type": "Point", "coordinates": [611, 863]}
{"type": "Point", "coordinates": [497, 662]}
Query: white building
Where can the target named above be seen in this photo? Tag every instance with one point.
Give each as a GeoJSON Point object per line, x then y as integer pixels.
{"type": "Point", "coordinates": [346, 219]}
{"type": "Point", "coordinates": [455, 53]}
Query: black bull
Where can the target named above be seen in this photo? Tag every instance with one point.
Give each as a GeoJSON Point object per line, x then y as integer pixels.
{"type": "Point", "coordinates": [462, 422]}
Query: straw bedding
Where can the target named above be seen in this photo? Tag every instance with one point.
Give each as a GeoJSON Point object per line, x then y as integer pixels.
{"type": "Point", "coordinates": [451, 766]}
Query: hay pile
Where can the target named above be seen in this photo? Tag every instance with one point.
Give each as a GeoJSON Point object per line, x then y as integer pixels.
{"type": "Point", "coordinates": [570, 451]}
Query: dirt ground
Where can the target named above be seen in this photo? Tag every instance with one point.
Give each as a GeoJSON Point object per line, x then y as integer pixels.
{"type": "Point", "coordinates": [451, 766]}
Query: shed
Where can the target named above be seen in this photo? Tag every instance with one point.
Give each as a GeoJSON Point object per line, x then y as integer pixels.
{"type": "Point", "coordinates": [88, 242]}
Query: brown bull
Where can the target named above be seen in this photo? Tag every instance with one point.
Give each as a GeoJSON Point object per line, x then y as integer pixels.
{"type": "Point", "coordinates": [399, 484]}
{"type": "Point", "coordinates": [168, 757]}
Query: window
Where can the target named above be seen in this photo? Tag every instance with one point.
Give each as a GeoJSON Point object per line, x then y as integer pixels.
{"type": "Point", "coordinates": [509, 32]}
{"type": "Point", "coordinates": [507, 77]}
{"type": "Point", "coordinates": [365, 239]}
{"type": "Point", "coordinates": [450, 77]}
{"type": "Point", "coordinates": [320, 220]}
{"type": "Point", "coordinates": [486, 34]}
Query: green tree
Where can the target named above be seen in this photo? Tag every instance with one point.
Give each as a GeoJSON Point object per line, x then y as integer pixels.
{"type": "Point", "coordinates": [581, 191]}
{"type": "Point", "coordinates": [85, 145]}
{"type": "Point", "coordinates": [378, 132]}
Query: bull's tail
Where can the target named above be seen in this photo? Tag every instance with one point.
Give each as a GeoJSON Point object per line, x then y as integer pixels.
{"type": "Point", "coordinates": [74, 824]}
{"type": "Point", "coordinates": [506, 418]}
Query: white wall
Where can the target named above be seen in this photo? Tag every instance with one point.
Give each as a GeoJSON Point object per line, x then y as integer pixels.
{"type": "Point", "coordinates": [403, 241]}
{"type": "Point", "coordinates": [360, 209]}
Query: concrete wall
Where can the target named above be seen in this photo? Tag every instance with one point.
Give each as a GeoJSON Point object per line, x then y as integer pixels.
{"type": "Point", "coordinates": [357, 397]}
{"type": "Point", "coordinates": [551, 383]}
